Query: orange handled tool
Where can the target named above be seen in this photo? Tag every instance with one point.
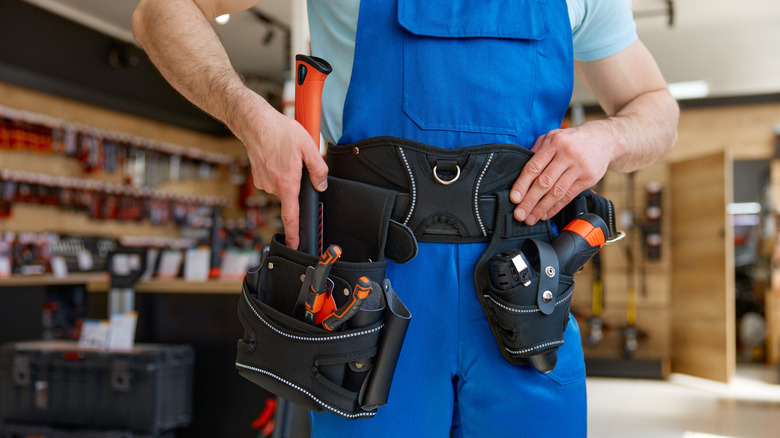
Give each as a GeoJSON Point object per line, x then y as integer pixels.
{"type": "Point", "coordinates": [580, 240]}
{"type": "Point", "coordinates": [319, 283]}
{"type": "Point", "coordinates": [348, 309]}
{"type": "Point", "coordinates": [310, 74]}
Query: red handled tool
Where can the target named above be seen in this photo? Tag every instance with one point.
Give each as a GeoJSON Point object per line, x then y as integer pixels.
{"type": "Point", "coordinates": [318, 291]}
{"type": "Point", "coordinates": [348, 309]}
{"type": "Point", "coordinates": [310, 74]}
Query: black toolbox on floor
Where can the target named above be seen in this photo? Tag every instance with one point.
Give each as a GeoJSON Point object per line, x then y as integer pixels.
{"type": "Point", "coordinates": [28, 431]}
{"type": "Point", "coordinates": [147, 389]}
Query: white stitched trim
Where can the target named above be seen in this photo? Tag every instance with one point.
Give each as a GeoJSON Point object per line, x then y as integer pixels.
{"type": "Point", "coordinates": [534, 310]}
{"type": "Point", "coordinates": [308, 338]}
{"type": "Point", "coordinates": [511, 309]}
{"type": "Point", "coordinates": [476, 194]}
{"type": "Point", "coordinates": [545, 345]}
{"type": "Point", "coordinates": [414, 186]}
{"type": "Point", "coordinates": [318, 401]}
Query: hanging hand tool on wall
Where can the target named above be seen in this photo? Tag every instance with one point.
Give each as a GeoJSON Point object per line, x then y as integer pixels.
{"type": "Point", "coordinates": [652, 226]}
{"type": "Point", "coordinates": [595, 322]}
{"type": "Point", "coordinates": [630, 333]}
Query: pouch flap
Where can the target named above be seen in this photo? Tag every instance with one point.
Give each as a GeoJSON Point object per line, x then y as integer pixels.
{"type": "Point", "coordinates": [486, 18]}
{"type": "Point", "coordinates": [401, 243]}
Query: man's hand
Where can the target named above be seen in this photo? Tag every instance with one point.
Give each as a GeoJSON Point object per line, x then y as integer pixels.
{"type": "Point", "coordinates": [178, 38]}
{"type": "Point", "coordinates": [641, 126]}
{"type": "Point", "coordinates": [278, 147]}
{"type": "Point", "coordinates": [565, 162]}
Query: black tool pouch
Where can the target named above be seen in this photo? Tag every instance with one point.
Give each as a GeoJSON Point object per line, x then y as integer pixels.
{"type": "Point", "coordinates": [528, 316]}
{"type": "Point", "coordinates": [526, 320]}
{"type": "Point", "coordinates": [346, 372]}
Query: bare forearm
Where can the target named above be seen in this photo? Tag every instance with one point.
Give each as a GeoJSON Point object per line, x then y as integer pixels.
{"type": "Point", "coordinates": [642, 131]}
{"type": "Point", "coordinates": [641, 126]}
{"type": "Point", "coordinates": [178, 38]}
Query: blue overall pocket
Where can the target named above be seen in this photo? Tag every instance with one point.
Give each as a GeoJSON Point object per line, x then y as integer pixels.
{"type": "Point", "coordinates": [471, 66]}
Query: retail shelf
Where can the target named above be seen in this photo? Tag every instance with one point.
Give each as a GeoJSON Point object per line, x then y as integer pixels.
{"type": "Point", "coordinates": [98, 282]}
{"type": "Point", "coordinates": [176, 286]}
{"type": "Point", "coordinates": [51, 280]}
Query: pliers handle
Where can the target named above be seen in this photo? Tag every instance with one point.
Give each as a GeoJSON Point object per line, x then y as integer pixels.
{"type": "Point", "coordinates": [347, 310]}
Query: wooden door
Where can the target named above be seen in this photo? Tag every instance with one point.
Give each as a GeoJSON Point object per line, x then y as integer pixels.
{"type": "Point", "coordinates": [703, 291]}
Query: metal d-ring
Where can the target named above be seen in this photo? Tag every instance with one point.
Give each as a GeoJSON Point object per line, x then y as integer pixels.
{"type": "Point", "coordinates": [446, 183]}
{"type": "Point", "coordinates": [620, 235]}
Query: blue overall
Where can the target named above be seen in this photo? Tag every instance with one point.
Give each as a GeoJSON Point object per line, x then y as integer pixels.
{"type": "Point", "coordinates": [454, 73]}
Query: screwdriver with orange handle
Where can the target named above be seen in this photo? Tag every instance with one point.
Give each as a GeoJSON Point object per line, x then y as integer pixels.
{"type": "Point", "coordinates": [348, 309]}
{"type": "Point", "coordinates": [315, 300]}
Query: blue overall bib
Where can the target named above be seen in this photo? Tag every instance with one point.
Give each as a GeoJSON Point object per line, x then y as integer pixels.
{"type": "Point", "coordinates": [454, 73]}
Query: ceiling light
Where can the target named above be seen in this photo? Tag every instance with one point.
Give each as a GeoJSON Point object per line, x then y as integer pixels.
{"type": "Point", "coordinates": [743, 208]}
{"type": "Point", "coordinates": [703, 435]}
{"type": "Point", "coordinates": [222, 19]}
{"type": "Point", "coordinates": [689, 89]}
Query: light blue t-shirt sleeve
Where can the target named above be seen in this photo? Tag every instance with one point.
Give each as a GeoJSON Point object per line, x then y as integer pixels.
{"type": "Point", "coordinates": [601, 28]}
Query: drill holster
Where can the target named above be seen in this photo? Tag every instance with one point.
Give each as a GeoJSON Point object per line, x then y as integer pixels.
{"type": "Point", "coordinates": [528, 317]}
{"type": "Point", "coordinates": [346, 372]}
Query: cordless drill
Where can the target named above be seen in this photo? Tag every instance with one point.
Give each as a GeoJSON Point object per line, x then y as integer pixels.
{"type": "Point", "coordinates": [577, 243]}
{"type": "Point", "coordinates": [580, 240]}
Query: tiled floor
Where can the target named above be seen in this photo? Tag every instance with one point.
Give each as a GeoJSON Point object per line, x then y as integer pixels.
{"type": "Point", "coordinates": [686, 407]}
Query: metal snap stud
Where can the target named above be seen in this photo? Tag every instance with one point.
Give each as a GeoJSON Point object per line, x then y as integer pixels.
{"type": "Point", "coordinates": [550, 271]}
{"type": "Point", "coordinates": [547, 296]}
{"type": "Point", "coordinates": [270, 265]}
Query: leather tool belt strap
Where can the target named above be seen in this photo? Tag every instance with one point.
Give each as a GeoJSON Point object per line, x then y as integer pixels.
{"type": "Point", "coordinates": [446, 195]}
{"type": "Point", "coordinates": [426, 193]}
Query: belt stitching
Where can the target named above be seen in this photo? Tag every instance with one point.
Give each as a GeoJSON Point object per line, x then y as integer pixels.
{"type": "Point", "coordinates": [545, 345]}
{"type": "Point", "coordinates": [308, 338]}
{"type": "Point", "coordinates": [476, 194]}
{"type": "Point", "coordinates": [318, 401]}
{"type": "Point", "coordinates": [412, 183]}
{"type": "Point", "coordinates": [534, 310]}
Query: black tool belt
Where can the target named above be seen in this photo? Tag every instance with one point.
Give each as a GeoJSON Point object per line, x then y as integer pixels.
{"type": "Point", "coordinates": [347, 372]}
{"type": "Point", "coordinates": [416, 192]}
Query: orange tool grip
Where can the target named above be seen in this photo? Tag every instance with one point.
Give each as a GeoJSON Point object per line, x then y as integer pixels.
{"type": "Point", "coordinates": [330, 255]}
{"type": "Point", "coordinates": [318, 291]}
{"type": "Point", "coordinates": [348, 309]}
{"type": "Point", "coordinates": [592, 234]}
{"type": "Point", "coordinates": [315, 305]}
{"type": "Point", "coordinates": [310, 74]}
{"type": "Point", "coordinates": [327, 259]}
